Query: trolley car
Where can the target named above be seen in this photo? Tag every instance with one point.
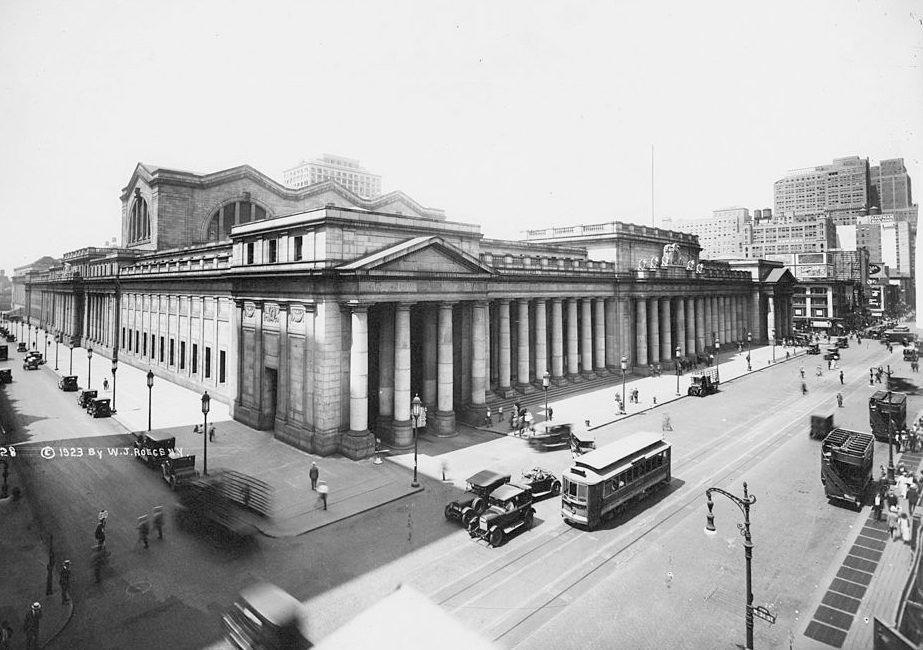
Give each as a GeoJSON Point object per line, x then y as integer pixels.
{"type": "Point", "coordinates": [601, 482]}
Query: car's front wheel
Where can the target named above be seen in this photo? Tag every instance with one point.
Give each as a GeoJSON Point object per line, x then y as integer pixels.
{"type": "Point", "coordinates": [448, 511]}
{"type": "Point", "coordinates": [555, 488]}
{"type": "Point", "coordinates": [479, 505]}
{"type": "Point", "coordinates": [468, 517]}
{"type": "Point", "coordinates": [496, 536]}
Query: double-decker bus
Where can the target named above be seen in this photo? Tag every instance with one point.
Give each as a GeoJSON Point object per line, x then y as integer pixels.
{"type": "Point", "coordinates": [601, 482]}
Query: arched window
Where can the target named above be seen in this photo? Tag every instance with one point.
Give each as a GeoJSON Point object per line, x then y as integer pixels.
{"type": "Point", "coordinates": [139, 221]}
{"type": "Point", "coordinates": [230, 215]}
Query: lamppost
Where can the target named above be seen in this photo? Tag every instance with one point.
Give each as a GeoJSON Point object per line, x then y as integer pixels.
{"type": "Point", "coordinates": [744, 505]}
{"type": "Point", "coordinates": [546, 381]}
{"type": "Point", "coordinates": [890, 431]}
{"type": "Point", "coordinates": [71, 346]}
{"type": "Point", "coordinates": [206, 401]}
{"type": "Point", "coordinates": [45, 349]}
{"type": "Point", "coordinates": [749, 347]}
{"type": "Point", "coordinates": [89, 367]}
{"type": "Point", "coordinates": [678, 355]}
{"type": "Point", "coordinates": [416, 408]}
{"type": "Point", "coordinates": [115, 366]}
{"type": "Point", "coordinates": [624, 365]}
{"type": "Point", "coordinates": [57, 347]}
{"type": "Point", "coordinates": [772, 333]}
{"type": "Point", "coordinates": [4, 489]}
{"type": "Point", "coordinates": [150, 385]}
{"type": "Point", "coordinates": [29, 344]}
{"type": "Point", "coordinates": [717, 360]}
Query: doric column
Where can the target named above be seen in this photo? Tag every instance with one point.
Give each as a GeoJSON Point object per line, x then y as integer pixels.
{"type": "Point", "coordinates": [402, 432]}
{"type": "Point", "coordinates": [613, 340]}
{"type": "Point", "coordinates": [522, 345]}
{"type": "Point", "coordinates": [503, 347]}
{"type": "Point", "coordinates": [429, 357]}
{"type": "Point", "coordinates": [489, 374]}
{"type": "Point", "coordinates": [586, 336]}
{"type": "Point", "coordinates": [623, 332]}
{"type": "Point", "coordinates": [653, 324]}
{"type": "Point", "coordinates": [541, 339]}
{"type": "Point", "coordinates": [641, 331]}
{"type": "Point", "coordinates": [680, 336]}
{"type": "Point", "coordinates": [771, 316]}
{"type": "Point", "coordinates": [385, 369]}
{"type": "Point", "coordinates": [445, 415]}
{"type": "Point", "coordinates": [715, 331]}
{"type": "Point", "coordinates": [359, 371]}
{"type": "Point", "coordinates": [700, 328]}
{"type": "Point", "coordinates": [666, 330]}
{"type": "Point", "coordinates": [557, 339]}
{"type": "Point", "coordinates": [599, 336]}
{"type": "Point", "coordinates": [573, 366]}
{"type": "Point", "coordinates": [690, 326]}
{"type": "Point", "coordinates": [479, 355]}
{"type": "Point", "coordinates": [756, 324]}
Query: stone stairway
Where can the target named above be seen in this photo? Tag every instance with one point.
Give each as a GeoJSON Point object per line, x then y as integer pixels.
{"type": "Point", "coordinates": [535, 401]}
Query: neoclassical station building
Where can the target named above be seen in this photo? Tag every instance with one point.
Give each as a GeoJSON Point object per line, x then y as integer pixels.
{"type": "Point", "coordinates": [319, 314]}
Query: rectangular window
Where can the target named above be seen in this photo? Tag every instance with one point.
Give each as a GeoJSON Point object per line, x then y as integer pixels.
{"type": "Point", "coordinates": [129, 340]}
{"type": "Point", "coordinates": [172, 348]}
{"type": "Point", "coordinates": [222, 360]}
{"type": "Point", "coordinates": [195, 358]}
{"type": "Point", "coordinates": [145, 346]}
{"type": "Point", "coordinates": [273, 250]}
{"type": "Point", "coordinates": [208, 362]}
{"type": "Point", "coordinates": [136, 341]}
{"type": "Point", "coordinates": [298, 249]}
{"type": "Point", "coordinates": [250, 253]}
{"type": "Point", "coordinates": [161, 349]}
{"type": "Point", "coordinates": [123, 337]}
{"type": "Point", "coordinates": [182, 355]}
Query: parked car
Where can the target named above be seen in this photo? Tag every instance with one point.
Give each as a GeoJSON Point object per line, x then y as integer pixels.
{"type": "Point", "coordinates": [153, 448]}
{"type": "Point", "coordinates": [68, 383]}
{"type": "Point", "coordinates": [84, 397]}
{"type": "Point", "coordinates": [35, 355]}
{"type": "Point", "coordinates": [509, 509]}
{"type": "Point", "coordinates": [540, 482]}
{"type": "Point", "coordinates": [549, 435]}
{"type": "Point", "coordinates": [474, 501]}
{"type": "Point", "coordinates": [100, 407]}
{"type": "Point", "coordinates": [22, 347]}
{"type": "Point", "coordinates": [30, 364]}
{"type": "Point", "coordinates": [177, 469]}
{"type": "Point", "coordinates": [6, 375]}
{"type": "Point", "coordinates": [813, 348]}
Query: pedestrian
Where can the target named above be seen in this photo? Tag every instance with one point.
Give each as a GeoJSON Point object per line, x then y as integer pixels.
{"type": "Point", "coordinates": [529, 419]}
{"type": "Point", "coordinates": [804, 389]}
{"type": "Point", "coordinates": [500, 415]}
{"type": "Point", "coordinates": [103, 517]}
{"type": "Point", "coordinates": [445, 466]}
{"type": "Point", "coordinates": [913, 495]}
{"type": "Point", "coordinates": [6, 635]}
{"type": "Point", "coordinates": [64, 579]}
{"type": "Point", "coordinates": [839, 400]}
{"type": "Point", "coordinates": [322, 489]}
{"type": "Point", "coordinates": [891, 499]}
{"type": "Point", "coordinates": [157, 520]}
{"type": "Point", "coordinates": [551, 413]}
{"type": "Point", "coordinates": [487, 419]}
{"type": "Point", "coordinates": [841, 377]}
{"type": "Point", "coordinates": [892, 521]}
{"type": "Point", "coordinates": [105, 384]}
{"type": "Point", "coordinates": [30, 626]}
{"type": "Point", "coordinates": [144, 530]}
{"type": "Point", "coordinates": [904, 525]}
{"type": "Point", "coordinates": [801, 370]}
{"type": "Point", "coordinates": [100, 534]}
{"type": "Point", "coordinates": [314, 473]}
{"type": "Point", "coordinates": [876, 508]}
{"type": "Point", "coordinates": [211, 433]}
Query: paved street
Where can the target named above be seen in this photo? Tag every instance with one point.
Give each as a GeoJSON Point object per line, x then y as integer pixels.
{"type": "Point", "coordinates": [653, 563]}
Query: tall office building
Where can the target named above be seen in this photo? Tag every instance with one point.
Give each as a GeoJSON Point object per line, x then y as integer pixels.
{"type": "Point", "coordinates": [891, 185]}
{"type": "Point", "coordinates": [344, 171]}
{"type": "Point", "coordinates": [839, 190]}
{"type": "Point", "coordinates": [720, 236]}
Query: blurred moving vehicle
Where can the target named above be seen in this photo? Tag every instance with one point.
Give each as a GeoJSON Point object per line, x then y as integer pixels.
{"type": "Point", "coordinates": [264, 617]}
{"type": "Point", "coordinates": [550, 435]}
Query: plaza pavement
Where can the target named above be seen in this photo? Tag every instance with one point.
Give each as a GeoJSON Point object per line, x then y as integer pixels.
{"type": "Point", "coordinates": [355, 486]}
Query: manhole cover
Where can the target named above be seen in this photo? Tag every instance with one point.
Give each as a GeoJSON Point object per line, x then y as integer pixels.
{"type": "Point", "coordinates": [138, 588]}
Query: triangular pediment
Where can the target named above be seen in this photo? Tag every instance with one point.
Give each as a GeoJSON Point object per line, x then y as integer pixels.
{"type": "Point", "coordinates": [424, 255]}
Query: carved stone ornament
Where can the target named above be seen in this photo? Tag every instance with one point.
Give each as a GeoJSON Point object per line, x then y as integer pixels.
{"type": "Point", "coordinates": [690, 265]}
{"type": "Point", "coordinates": [642, 265]}
{"type": "Point", "coordinates": [249, 309]}
{"type": "Point", "coordinates": [297, 312]}
{"type": "Point", "coordinates": [700, 269]}
{"type": "Point", "coordinates": [655, 262]}
{"type": "Point", "coordinates": [271, 313]}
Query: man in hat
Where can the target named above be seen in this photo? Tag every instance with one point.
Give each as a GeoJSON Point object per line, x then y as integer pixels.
{"type": "Point", "coordinates": [65, 581]}
{"type": "Point", "coordinates": [144, 530]}
{"type": "Point", "coordinates": [30, 626]}
{"type": "Point", "coordinates": [157, 520]}
{"type": "Point", "coordinates": [314, 473]}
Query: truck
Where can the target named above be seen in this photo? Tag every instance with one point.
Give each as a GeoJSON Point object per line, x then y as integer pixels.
{"type": "Point", "coordinates": [231, 502]}
{"type": "Point", "coordinates": [178, 470]}
{"type": "Point", "coordinates": [885, 407]}
{"type": "Point", "coordinates": [704, 382]}
{"type": "Point", "coordinates": [847, 459]}
{"type": "Point", "coordinates": [4, 352]}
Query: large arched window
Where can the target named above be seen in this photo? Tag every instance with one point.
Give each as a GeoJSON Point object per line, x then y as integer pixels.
{"type": "Point", "coordinates": [139, 221]}
{"type": "Point", "coordinates": [230, 215]}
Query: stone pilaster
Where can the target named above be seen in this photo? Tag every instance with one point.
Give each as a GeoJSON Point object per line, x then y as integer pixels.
{"type": "Point", "coordinates": [557, 341]}
{"type": "Point", "coordinates": [444, 422]}
{"type": "Point", "coordinates": [402, 432]}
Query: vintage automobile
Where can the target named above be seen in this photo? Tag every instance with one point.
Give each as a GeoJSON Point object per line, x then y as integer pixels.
{"type": "Point", "coordinates": [84, 397]}
{"type": "Point", "coordinates": [178, 469]}
{"type": "Point", "coordinates": [265, 617]}
{"type": "Point", "coordinates": [842, 342]}
{"type": "Point", "coordinates": [22, 347]}
{"type": "Point", "coordinates": [4, 352]}
{"type": "Point", "coordinates": [509, 509]}
{"type": "Point", "coordinates": [100, 407]}
{"type": "Point", "coordinates": [813, 348]}
{"type": "Point", "coordinates": [549, 435]}
{"type": "Point", "coordinates": [10, 338]}
{"type": "Point", "coordinates": [911, 354]}
{"type": "Point", "coordinates": [540, 482]}
{"type": "Point", "coordinates": [6, 375]}
{"type": "Point", "coordinates": [153, 448]}
{"type": "Point", "coordinates": [581, 442]}
{"type": "Point", "coordinates": [30, 364]}
{"type": "Point", "coordinates": [832, 354]}
{"type": "Point", "coordinates": [68, 383]}
{"type": "Point", "coordinates": [474, 501]}
{"type": "Point", "coordinates": [35, 355]}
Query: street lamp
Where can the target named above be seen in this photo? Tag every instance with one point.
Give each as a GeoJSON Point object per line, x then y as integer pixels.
{"type": "Point", "coordinates": [678, 355]}
{"type": "Point", "coordinates": [744, 505]}
{"type": "Point", "coordinates": [71, 346]}
{"type": "Point", "coordinates": [150, 385]}
{"type": "Point", "coordinates": [45, 349]}
{"type": "Point", "coordinates": [206, 401]}
{"type": "Point", "coordinates": [624, 365]}
{"type": "Point", "coordinates": [115, 366]}
{"type": "Point", "coordinates": [717, 360]}
{"type": "Point", "coordinates": [416, 408]}
{"type": "Point", "coordinates": [772, 333]}
{"type": "Point", "coordinates": [89, 367]}
{"type": "Point", "coordinates": [57, 347]}
{"type": "Point", "coordinates": [749, 347]}
{"type": "Point", "coordinates": [546, 381]}
{"type": "Point", "coordinates": [890, 431]}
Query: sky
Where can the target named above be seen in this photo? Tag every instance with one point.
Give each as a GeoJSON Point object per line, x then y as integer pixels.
{"type": "Point", "coordinates": [511, 115]}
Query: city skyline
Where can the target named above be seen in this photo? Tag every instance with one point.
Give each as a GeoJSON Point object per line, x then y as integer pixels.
{"type": "Point", "coordinates": [515, 120]}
